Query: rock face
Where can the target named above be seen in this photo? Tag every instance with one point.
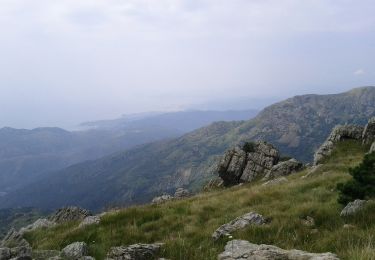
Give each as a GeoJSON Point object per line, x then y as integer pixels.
{"type": "Point", "coordinates": [181, 193]}
{"type": "Point", "coordinates": [353, 207]}
{"type": "Point", "coordinates": [239, 223]}
{"type": "Point", "coordinates": [368, 135]}
{"type": "Point", "coordinates": [239, 166]}
{"type": "Point", "coordinates": [241, 249]}
{"type": "Point", "coordinates": [40, 223]}
{"type": "Point", "coordinates": [90, 220]}
{"type": "Point", "coordinates": [14, 246]}
{"type": "Point", "coordinates": [339, 133]}
{"type": "Point", "coordinates": [135, 252]}
{"type": "Point", "coordinates": [75, 250]}
{"type": "Point", "coordinates": [69, 214]}
{"type": "Point", "coordinates": [284, 169]}
{"type": "Point", "coordinates": [161, 199]}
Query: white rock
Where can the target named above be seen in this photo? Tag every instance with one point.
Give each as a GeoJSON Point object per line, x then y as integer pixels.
{"type": "Point", "coordinates": [75, 250]}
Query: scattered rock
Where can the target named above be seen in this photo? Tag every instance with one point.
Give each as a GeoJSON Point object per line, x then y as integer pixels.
{"type": "Point", "coordinates": [90, 220]}
{"type": "Point", "coordinates": [181, 193]}
{"type": "Point", "coordinates": [161, 199]}
{"type": "Point", "coordinates": [353, 207]}
{"type": "Point", "coordinates": [284, 169]}
{"type": "Point", "coordinates": [21, 252]}
{"type": "Point", "coordinates": [275, 181]}
{"type": "Point", "coordinates": [239, 166]}
{"type": "Point", "coordinates": [338, 134]}
{"type": "Point", "coordinates": [308, 221]}
{"type": "Point", "coordinates": [241, 249]}
{"type": "Point", "coordinates": [68, 214]}
{"type": "Point", "coordinates": [251, 218]}
{"type": "Point", "coordinates": [40, 223]}
{"type": "Point", "coordinates": [368, 135]}
{"type": "Point", "coordinates": [14, 239]}
{"type": "Point", "coordinates": [135, 252]}
{"type": "Point", "coordinates": [75, 250]}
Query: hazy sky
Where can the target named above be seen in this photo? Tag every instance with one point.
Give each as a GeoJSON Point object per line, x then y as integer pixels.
{"type": "Point", "coordinates": [67, 61]}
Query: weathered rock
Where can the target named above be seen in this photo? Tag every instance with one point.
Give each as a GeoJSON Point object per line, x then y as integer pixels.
{"type": "Point", "coordinates": [241, 249]}
{"type": "Point", "coordinates": [275, 181]}
{"type": "Point", "coordinates": [251, 218]}
{"type": "Point", "coordinates": [181, 193]}
{"type": "Point", "coordinates": [69, 214]}
{"type": "Point", "coordinates": [239, 166]}
{"type": "Point", "coordinates": [308, 221]}
{"type": "Point", "coordinates": [353, 207]}
{"type": "Point", "coordinates": [5, 253]}
{"type": "Point", "coordinates": [90, 220]}
{"type": "Point", "coordinates": [14, 239]}
{"type": "Point", "coordinates": [161, 199]}
{"type": "Point", "coordinates": [23, 252]}
{"type": "Point", "coordinates": [40, 223]}
{"type": "Point", "coordinates": [135, 252]}
{"type": "Point", "coordinates": [75, 250]}
{"type": "Point", "coordinates": [338, 134]}
{"type": "Point", "coordinates": [368, 135]}
{"type": "Point", "coordinates": [372, 149]}
{"type": "Point", "coordinates": [284, 169]}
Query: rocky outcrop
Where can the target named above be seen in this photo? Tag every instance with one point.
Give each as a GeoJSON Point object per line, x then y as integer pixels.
{"type": "Point", "coordinates": [90, 220]}
{"type": "Point", "coordinates": [14, 246]}
{"type": "Point", "coordinates": [353, 208]}
{"type": "Point", "coordinates": [241, 249]}
{"type": "Point", "coordinates": [284, 169]}
{"type": "Point", "coordinates": [181, 193]}
{"type": "Point", "coordinates": [339, 133]}
{"type": "Point", "coordinates": [368, 135]}
{"type": "Point", "coordinates": [4, 253]}
{"type": "Point", "coordinates": [251, 218]}
{"type": "Point", "coordinates": [68, 214]}
{"type": "Point", "coordinates": [135, 252]}
{"type": "Point", "coordinates": [239, 166]}
{"type": "Point", "coordinates": [75, 251]}
{"type": "Point", "coordinates": [40, 223]}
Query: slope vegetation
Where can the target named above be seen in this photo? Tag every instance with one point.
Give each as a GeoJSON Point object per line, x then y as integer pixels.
{"type": "Point", "coordinates": [186, 225]}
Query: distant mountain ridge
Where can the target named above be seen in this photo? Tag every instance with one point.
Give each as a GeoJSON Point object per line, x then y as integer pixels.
{"type": "Point", "coordinates": [28, 155]}
{"type": "Point", "coordinates": [297, 126]}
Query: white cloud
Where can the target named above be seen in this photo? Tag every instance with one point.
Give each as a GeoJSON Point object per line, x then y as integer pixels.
{"type": "Point", "coordinates": [359, 72]}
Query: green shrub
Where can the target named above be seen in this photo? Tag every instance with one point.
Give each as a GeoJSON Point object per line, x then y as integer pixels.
{"type": "Point", "coordinates": [362, 185]}
{"type": "Point", "coordinates": [248, 147]}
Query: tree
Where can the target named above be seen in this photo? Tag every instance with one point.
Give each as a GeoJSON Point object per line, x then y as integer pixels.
{"type": "Point", "coordinates": [362, 186]}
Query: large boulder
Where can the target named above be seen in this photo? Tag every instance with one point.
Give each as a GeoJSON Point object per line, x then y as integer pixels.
{"type": "Point", "coordinates": [75, 250]}
{"type": "Point", "coordinates": [251, 218]}
{"type": "Point", "coordinates": [353, 208]}
{"type": "Point", "coordinates": [284, 169]}
{"type": "Point", "coordinates": [241, 249]}
{"type": "Point", "coordinates": [68, 214]}
{"type": "Point", "coordinates": [135, 252]}
{"type": "Point", "coordinates": [40, 223]}
{"type": "Point", "coordinates": [339, 133]}
{"type": "Point", "coordinates": [238, 165]}
{"type": "Point", "coordinates": [90, 220]}
{"type": "Point", "coordinates": [368, 135]}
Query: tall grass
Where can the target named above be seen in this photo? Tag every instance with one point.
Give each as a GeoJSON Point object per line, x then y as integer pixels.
{"type": "Point", "coordinates": [186, 226]}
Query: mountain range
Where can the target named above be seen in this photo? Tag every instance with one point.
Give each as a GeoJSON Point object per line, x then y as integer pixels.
{"type": "Point", "coordinates": [297, 126]}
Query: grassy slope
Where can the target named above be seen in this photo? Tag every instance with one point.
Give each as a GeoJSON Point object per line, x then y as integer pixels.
{"type": "Point", "coordinates": [186, 226]}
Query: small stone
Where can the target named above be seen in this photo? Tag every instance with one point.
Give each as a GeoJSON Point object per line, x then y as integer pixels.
{"type": "Point", "coordinates": [251, 218]}
{"type": "Point", "coordinates": [161, 199]}
{"type": "Point", "coordinates": [135, 252]}
{"type": "Point", "coordinates": [308, 221]}
{"type": "Point", "coordinates": [181, 193]}
{"type": "Point", "coordinates": [353, 207]}
{"type": "Point", "coordinates": [75, 250]}
{"type": "Point", "coordinates": [348, 226]}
